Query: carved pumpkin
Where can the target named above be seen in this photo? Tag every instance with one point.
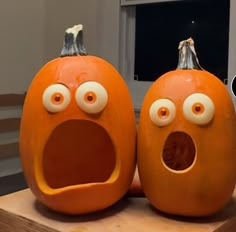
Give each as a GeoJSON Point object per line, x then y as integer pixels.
{"type": "Point", "coordinates": [187, 140]}
{"type": "Point", "coordinates": [77, 137]}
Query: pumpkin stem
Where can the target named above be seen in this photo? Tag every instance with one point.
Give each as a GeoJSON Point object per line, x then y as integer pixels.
{"type": "Point", "coordinates": [187, 55]}
{"type": "Point", "coordinates": [73, 42]}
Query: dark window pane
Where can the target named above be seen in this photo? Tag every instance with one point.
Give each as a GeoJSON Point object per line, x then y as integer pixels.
{"type": "Point", "coordinates": [161, 26]}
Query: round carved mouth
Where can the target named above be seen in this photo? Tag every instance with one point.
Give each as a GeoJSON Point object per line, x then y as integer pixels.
{"type": "Point", "coordinates": [78, 152]}
{"type": "Point", "coordinates": [179, 151]}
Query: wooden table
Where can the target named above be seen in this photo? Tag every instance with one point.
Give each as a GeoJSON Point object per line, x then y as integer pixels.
{"type": "Point", "coordinates": [20, 212]}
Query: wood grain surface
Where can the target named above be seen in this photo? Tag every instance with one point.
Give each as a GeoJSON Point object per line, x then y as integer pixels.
{"type": "Point", "coordinates": [21, 212]}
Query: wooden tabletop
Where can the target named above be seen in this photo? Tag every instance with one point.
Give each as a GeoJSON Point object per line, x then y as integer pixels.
{"type": "Point", "coordinates": [20, 212]}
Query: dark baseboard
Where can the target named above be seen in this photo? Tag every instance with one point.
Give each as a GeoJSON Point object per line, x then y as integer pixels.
{"type": "Point", "coordinates": [12, 183]}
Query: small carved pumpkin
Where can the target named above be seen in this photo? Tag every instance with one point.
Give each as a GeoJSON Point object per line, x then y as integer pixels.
{"type": "Point", "coordinates": [187, 140]}
{"type": "Point", "coordinates": [78, 132]}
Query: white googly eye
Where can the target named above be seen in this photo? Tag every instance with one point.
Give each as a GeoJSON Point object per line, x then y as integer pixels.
{"type": "Point", "coordinates": [91, 97]}
{"type": "Point", "coordinates": [56, 98]}
{"type": "Point", "coordinates": [162, 112]}
{"type": "Point", "coordinates": [198, 108]}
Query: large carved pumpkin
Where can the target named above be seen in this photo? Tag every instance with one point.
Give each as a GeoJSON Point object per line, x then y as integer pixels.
{"type": "Point", "coordinates": [187, 140]}
{"type": "Point", "coordinates": [77, 137]}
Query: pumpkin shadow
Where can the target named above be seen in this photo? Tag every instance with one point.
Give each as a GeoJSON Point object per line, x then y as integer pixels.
{"type": "Point", "coordinates": [66, 218]}
{"type": "Point", "coordinates": [229, 211]}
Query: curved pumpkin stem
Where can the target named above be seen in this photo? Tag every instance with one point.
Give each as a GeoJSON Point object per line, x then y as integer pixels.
{"type": "Point", "coordinates": [187, 55]}
{"type": "Point", "coordinates": [73, 42]}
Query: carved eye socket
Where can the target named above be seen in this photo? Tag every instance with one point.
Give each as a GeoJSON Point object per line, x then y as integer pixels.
{"type": "Point", "coordinates": [91, 97]}
{"type": "Point", "coordinates": [198, 108]}
{"type": "Point", "coordinates": [162, 112]}
{"type": "Point", "coordinates": [56, 98]}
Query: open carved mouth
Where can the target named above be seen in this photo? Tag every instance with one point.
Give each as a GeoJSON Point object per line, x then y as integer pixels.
{"type": "Point", "coordinates": [78, 152]}
{"type": "Point", "coordinates": [179, 151]}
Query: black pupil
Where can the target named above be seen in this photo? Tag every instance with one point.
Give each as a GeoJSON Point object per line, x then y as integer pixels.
{"type": "Point", "coordinates": [198, 108]}
{"type": "Point", "coordinates": [90, 98]}
{"type": "Point", "coordinates": [57, 98]}
{"type": "Point", "coordinates": [163, 112]}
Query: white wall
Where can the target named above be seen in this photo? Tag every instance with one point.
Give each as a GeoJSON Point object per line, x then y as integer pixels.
{"type": "Point", "coordinates": [21, 43]}
{"type": "Point", "coordinates": [63, 14]}
{"type": "Point", "coordinates": [22, 26]}
{"type": "Point", "coordinates": [32, 33]}
{"type": "Point", "coordinates": [99, 18]}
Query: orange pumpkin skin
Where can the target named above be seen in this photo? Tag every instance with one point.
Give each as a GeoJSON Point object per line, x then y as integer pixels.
{"type": "Point", "coordinates": [207, 184]}
{"type": "Point", "coordinates": [76, 162]}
